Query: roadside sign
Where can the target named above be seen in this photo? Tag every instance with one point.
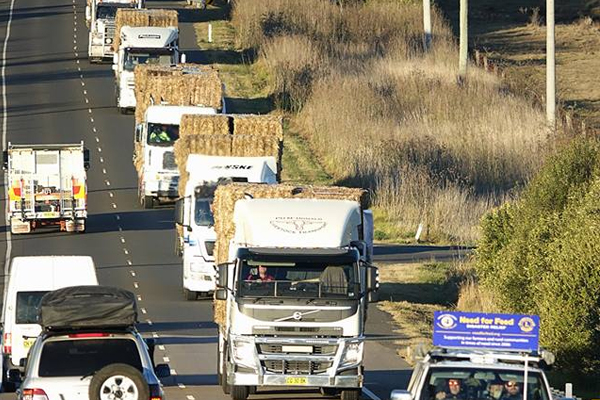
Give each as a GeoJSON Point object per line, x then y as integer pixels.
{"type": "Point", "coordinates": [512, 332]}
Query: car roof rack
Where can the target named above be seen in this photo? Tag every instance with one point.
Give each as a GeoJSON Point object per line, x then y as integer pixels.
{"type": "Point", "coordinates": [542, 358]}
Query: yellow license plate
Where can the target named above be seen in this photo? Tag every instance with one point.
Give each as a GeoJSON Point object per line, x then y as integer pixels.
{"type": "Point", "coordinates": [27, 343]}
{"type": "Point", "coordinates": [296, 381]}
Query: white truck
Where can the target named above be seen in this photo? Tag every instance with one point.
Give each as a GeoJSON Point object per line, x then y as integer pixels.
{"type": "Point", "coordinates": [142, 45]}
{"type": "Point", "coordinates": [100, 17]}
{"type": "Point", "coordinates": [47, 185]}
{"type": "Point", "coordinates": [296, 290]}
{"type": "Point", "coordinates": [158, 177]}
{"type": "Point", "coordinates": [194, 214]}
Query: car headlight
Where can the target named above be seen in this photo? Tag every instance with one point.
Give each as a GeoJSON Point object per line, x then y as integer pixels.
{"type": "Point", "coordinates": [244, 353]}
{"type": "Point", "coordinates": [353, 354]}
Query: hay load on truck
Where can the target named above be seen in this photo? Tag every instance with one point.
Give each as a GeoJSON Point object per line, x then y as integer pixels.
{"type": "Point", "coordinates": [100, 18]}
{"type": "Point", "coordinates": [211, 150]}
{"type": "Point", "coordinates": [294, 282]}
{"type": "Point", "coordinates": [47, 186]}
{"type": "Point", "coordinates": [143, 37]}
{"type": "Point", "coordinates": [166, 94]}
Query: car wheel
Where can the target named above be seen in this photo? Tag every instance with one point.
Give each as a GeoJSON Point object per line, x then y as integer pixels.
{"type": "Point", "coordinates": [352, 394]}
{"type": "Point", "coordinates": [240, 392]}
{"type": "Point", "coordinates": [118, 381]}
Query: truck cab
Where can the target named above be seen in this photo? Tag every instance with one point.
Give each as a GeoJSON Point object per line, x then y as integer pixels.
{"type": "Point", "coordinates": [100, 17]}
{"type": "Point", "coordinates": [196, 218]}
{"type": "Point", "coordinates": [155, 137]}
{"type": "Point", "coordinates": [142, 45]}
{"type": "Point", "coordinates": [296, 290]}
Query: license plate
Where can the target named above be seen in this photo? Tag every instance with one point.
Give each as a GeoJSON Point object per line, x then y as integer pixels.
{"type": "Point", "coordinates": [27, 343]}
{"type": "Point", "coordinates": [297, 349]}
{"type": "Point", "coordinates": [297, 381]}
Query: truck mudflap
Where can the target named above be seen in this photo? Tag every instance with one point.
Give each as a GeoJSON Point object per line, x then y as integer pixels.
{"type": "Point", "coordinates": [310, 362]}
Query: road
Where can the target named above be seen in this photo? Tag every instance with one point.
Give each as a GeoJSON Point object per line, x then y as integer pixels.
{"type": "Point", "coordinates": [53, 95]}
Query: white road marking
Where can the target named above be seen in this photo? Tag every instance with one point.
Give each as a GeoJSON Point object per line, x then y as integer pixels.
{"type": "Point", "coordinates": [114, 205]}
{"type": "Point", "coordinates": [154, 334]}
{"type": "Point", "coordinates": [107, 183]}
{"type": "Point", "coordinates": [99, 149]}
{"type": "Point", "coordinates": [190, 397]}
{"type": "Point", "coordinates": [136, 285]}
{"type": "Point", "coordinates": [87, 101]}
{"type": "Point", "coordinates": [77, 55]}
{"type": "Point", "coordinates": [143, 310]}
{"type": "Point", "coordinates": [126, 251]}
{"type": "Point", "coordinates": [166, 359]}
{"type": "Point", "coordinates": [139, 298]}
{"type": "Point", "coordinates": [129, 262]}
{"type": "Point", "coordinates": [101, 159]}
{"type": "Point", "coordinates": [97, 139]}
{"type": "Point", "coordinates": [111, 195]}
{"type": "Point", "coordinates": [117, 217]}
{"type": "Point", "coordinates": [85, 92]}
{"type": "Point", "coordinates": [132, 273]}
{"type": "Point", "coordinates": [104, 171]}
{"type": "Point", "coordinates": [122, 239]}
{"type": "Point", "coordinates": [161, 347]}
{"type": "Point", "coordinates": [4, 120]}
{"type": "Point", "coordinates": [181, 385]}
{"type": "Point", "coordinates": [82, 83]}
{"type": "Point", "coordinates": [370, 394]}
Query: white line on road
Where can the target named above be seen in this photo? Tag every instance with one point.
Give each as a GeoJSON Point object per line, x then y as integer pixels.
{"type": "Point", "coordinates": [143, 310]}
{"type": "Point", "coordinates": [370, 394]}
{"type": "Point", "coordinates": [132, 272]}
{"type": "Point", "coordinates": [166, 359]}
{"type": "Point", "coordinates": [114, 206]}
{"type": "Point", "coordinates": [4, 121]}
{"type": "Point", "coordinates": [126, 251]}
{"type": "Point", "coordinates": [136, 285]}
{"type": "Point", "coordinates": [181, 385]}
{"type": "Point", "coordinates": [161, 347]}
{"type": "Point", "coordinates": [139, 298]}
{"type": "Point", "coordinates": [190, 397]}
{"type": "Point", "coordinates": [111, 195]}
{"type": "Point", "coordinates": [129, 262]}
{"type": "Point", "coordinates": [122, 239]}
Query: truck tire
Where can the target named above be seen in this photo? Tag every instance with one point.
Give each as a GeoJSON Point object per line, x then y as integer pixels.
{"type": "Point", "coordinates": [351, 394]}
{"type": "Point", "coordinates": [223, 376]}
{"type": "Point", "coordinates": [189, 295]}
{"type": "Point", "coordinates": [240, 392]}
{"type": "Point", "coordinates": [116, 379]}
{"type": "Point", "coordinates": [147, 202]}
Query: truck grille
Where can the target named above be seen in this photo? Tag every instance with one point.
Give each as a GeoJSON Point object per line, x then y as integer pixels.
{"type": "Point", "coordinates": [109, 28]}
{"type": "Point", "coordinates": [297, 367]}
{"type": "Point", "coordinates": [169, 160]}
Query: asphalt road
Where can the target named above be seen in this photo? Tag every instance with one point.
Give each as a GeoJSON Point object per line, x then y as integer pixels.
{"type": "Point", "coordinates": [53, 95]}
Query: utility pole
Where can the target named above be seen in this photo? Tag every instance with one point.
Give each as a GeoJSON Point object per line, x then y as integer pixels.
{"type": "Point", "coordinates": [464, 40]}
{"type": "Point", "coordinates": [427, 24]}
{"type": "Point", "coordinates": [550, 66]}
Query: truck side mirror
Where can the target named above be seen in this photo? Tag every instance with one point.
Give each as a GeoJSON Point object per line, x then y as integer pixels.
{"type": "Point", "coordinates": [86, 159]}
{"type": "Point", "coordinates": [5, 160]}
{"type": "Point", "coordinates": [138, 132]}
{"type": "Point", "coordinates": [361, 246]}
{"type": "Point", "coordinates": [179, 211]}
{"type": "Point", "coordinates": [222, 271]}
{"type": "Point", "coordinates": [372, 285]}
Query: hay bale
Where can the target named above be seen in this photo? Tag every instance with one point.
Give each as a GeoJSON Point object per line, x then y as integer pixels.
{"type": "Point", "coordinates": [182, 84]}
{"type": "Point", "coordinates": [204, 125]}
{"type": "Point", "coordinates": [263, 125]}
{"type": "Point", "coordinates": [143, 17]}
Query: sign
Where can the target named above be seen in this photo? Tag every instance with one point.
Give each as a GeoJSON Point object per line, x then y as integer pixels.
{"type": "Point", "coordinates": [510, 332]}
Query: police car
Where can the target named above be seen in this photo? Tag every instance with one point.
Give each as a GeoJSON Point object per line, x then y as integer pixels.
{"type": "Point", "coordinates": [481, 357]}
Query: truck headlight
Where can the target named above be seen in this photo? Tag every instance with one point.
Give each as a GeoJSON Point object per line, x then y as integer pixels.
{"type": "Point", "coordinates": [96, 39]}
{"type": "Point", "coordinates": [108, 40]}
{"type": "Point", "coordinates": [353, 354]}
{"type": "Point", "coordinates": [244, 353]}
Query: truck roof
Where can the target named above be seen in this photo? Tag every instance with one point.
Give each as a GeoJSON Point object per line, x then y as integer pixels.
{"type": "Point", "coordinates": [296, 223]}
{"type": "Point", "coordinates": [171, 114]}
{"type": "Point", "coordinates": [205, 168]}
{"type": "Point", "coordinates": [148, 36]}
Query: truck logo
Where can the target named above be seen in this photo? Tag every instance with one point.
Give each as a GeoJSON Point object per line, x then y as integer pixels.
{"type": "Point", "coordinates": [297, 315]}
{"type": "Point", "coordinates": [233, 166]}
{"type": "Point", "coordinates": [298, 225]}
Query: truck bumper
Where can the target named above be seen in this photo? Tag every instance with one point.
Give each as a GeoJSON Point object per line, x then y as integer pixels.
{"type": "Point", "coordinates": [243, 379]}
{"type": "Point", "coordinates": [103, 52]}
{"type": "Point", "coordinates": [126, 98]}
{"type": "Point", "coordinates": [199, 282]}
{"type": "Point", "coordinates": [164, 189]}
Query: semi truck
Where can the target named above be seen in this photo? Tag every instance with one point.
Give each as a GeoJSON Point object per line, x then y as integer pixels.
{"type": "Point", "coordinates": [293, 294]}
{"type": "Point", "coordinates": [142, 45]}
{"type": "Point", "coordinates": [100, 17]}
{"type": "Point", "coordinates": [194, 215]}
{"type": "Point", "coordinates": [46, 186]}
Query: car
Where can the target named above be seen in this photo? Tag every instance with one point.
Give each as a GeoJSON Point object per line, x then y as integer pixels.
{"type": "Point", "coordinates": [478, 374]}
{"type": "Point", "coordinates": [30, 279]}
{"type": "Point", "coordinates": [90, 349]}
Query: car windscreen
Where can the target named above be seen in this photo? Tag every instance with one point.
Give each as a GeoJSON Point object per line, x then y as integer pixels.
{"type": "Point", "coordinates": [140, 58]}
{"type": "Point", "coordinates": [481, 384]}
{"type": "Point", "coordinates": [298, 279]}
{"type": "Point", "coordinates": [83, 357]}
{"type": "Point", "coordinates": [28, 304]}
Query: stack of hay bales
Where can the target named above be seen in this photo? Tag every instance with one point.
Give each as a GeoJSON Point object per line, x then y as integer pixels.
{"type": "Point", "coordinates": [227, 135]}
{"type": "Point", "coordinates": [227, 195]}
{"type": "Point", "coordinates": [182, 85]}
{"type": "Point", "coordinates": [142, 17]}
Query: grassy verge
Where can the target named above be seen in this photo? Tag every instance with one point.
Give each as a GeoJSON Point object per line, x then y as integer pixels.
{"type": "Point", "coordinates": [248, 90]}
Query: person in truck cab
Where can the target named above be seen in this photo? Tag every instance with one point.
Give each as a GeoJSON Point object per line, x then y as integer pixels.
{"type": "Point", "coordinates": [262, 275]}
{"type": "Point", "coordinates": [160, 135]}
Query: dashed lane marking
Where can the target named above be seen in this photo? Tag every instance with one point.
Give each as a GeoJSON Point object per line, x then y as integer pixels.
{"type": "Point", "coordinates": [136, 285]}
{"type": "Point", "coordinates": [161, 347]}
{"type": "Point", "coordinates": [129, 262]}
{"type": "Point", "coordinates": [166, 359]}
{"type": "Point", "coordinates": [132, 272]}
{"type": "Point", "coordinates": [181, 386]}
{"type": "Point", "coordinates": [143, 310]}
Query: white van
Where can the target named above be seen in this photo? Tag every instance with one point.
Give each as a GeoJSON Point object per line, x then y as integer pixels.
{"type": "Point", "coordinates": [31, 278]}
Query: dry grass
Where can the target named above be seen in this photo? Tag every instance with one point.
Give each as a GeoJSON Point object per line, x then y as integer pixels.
{"type": "Point", "coordinates": [380, 113]}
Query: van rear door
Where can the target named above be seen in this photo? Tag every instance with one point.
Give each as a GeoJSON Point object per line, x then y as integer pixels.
{"type": "Point", "coordinates": [26, 328]}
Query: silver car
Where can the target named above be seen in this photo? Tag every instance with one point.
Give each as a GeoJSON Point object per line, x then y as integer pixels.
{"type": "Point", "coordinates": [96, 365]}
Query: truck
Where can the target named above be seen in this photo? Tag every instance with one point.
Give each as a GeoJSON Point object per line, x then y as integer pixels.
{"type": "Point", "coordinates": [144, 37]}
{"type": "Point", "coordinates": [100, 17]}
{"type": "Point", "coordinates": [294, 282]}
{"type": "Point", "coordinates": [47, 186]}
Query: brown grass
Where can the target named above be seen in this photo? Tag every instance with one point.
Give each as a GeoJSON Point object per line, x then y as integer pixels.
{"type": "Point", "coordinates": [380, 113]}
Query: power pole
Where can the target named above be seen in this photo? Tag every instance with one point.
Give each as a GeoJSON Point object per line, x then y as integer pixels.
{"type": "Point", "coordinates": [550, 66]}
{"type": "Point", "coordinates": [427, 24]}
{"type": "Point", "coordinates": [464, 39]}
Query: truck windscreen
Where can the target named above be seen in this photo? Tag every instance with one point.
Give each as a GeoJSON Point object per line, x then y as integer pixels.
{"type": "Point", "coordinates": [298, 280]}
{"type": "Point", "coordinates": [109, 11]}
{"type": "Point", "coordinates": [481, 383]}
{"type": "Point", "coordinates": [133, 58]}
{"type": "Point", "coordinates": [162, 134]}
{"type": "Point", "coordinates": [203, 215]}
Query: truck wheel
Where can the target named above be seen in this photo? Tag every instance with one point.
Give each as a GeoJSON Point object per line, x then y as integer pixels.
{"type": "Point", "coordinates": [241, 392]}
{"type": "Point", "coordinates": [223, 376]}
{"type": "Point", "coordinates": [351, 394]}
{"type": "Point", "coordinates": [118, 381]}
{"type": "Point", "coordinates": [190, 295]}
{"type": "Point", "coordinates": [147, 202]}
